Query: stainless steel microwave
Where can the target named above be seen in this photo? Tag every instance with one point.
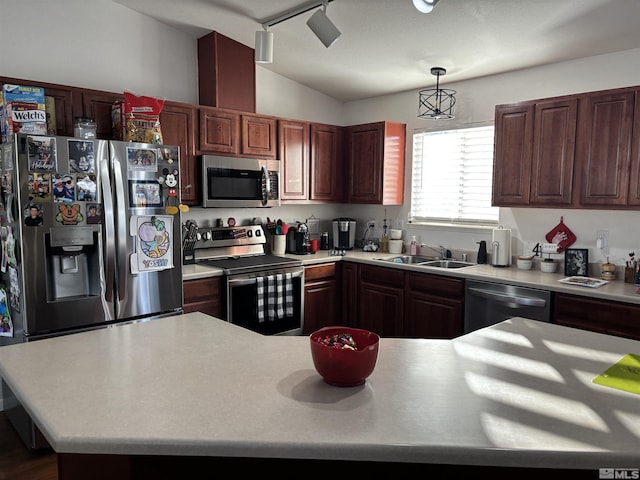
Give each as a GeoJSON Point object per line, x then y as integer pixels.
{"type": "Point", "coordinates": [240, 182]}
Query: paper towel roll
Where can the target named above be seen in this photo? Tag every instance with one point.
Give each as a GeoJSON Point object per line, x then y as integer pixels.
{"type": "Point", "coordinates": [501, 247]}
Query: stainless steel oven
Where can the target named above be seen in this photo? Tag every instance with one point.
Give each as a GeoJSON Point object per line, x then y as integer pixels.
{"type": "Point", "coordinates": [262, 292]}
{"type": "Point", "coordinates": [269, 301]}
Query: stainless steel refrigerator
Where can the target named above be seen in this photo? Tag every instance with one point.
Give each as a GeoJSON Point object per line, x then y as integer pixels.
{"type": "Point", "coordinates": [90, 233]}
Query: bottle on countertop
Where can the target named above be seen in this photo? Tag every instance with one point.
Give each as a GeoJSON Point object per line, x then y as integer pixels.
{"type": "Point", "coordinates": [384, 240]}
{"type": "Point", "coordinates": [413, 248]}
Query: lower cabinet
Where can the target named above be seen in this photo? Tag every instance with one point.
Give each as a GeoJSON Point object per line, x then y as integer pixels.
{"type": "Point", "coordinates": [595, 315]}
{"type": "Point", "coordinates": [434, 306]}
{"type": "Point", "coordinates": [381, 300]}
{"type": "Point", "coordinates": [322, 299]}
{"type": "Point", "coordinates": [203, 295]}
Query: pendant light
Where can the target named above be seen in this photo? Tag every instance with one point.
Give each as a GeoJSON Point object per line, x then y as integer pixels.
{"type": "Point", "coordinates": [438, 103]}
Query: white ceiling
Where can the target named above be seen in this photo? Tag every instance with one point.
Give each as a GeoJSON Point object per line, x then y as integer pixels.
{"type": "Point", "coordinates": [387, 46]}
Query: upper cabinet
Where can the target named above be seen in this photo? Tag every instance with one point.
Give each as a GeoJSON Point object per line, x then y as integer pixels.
{"type": "Point", "coordinates": [311, 157]}
{"type": "Point", "coordinates": [375, 157]}
{"type": "Point", "coordinates": [604, 148]}
{"type": "Point", "coordinates": [226, 73]}
{"type": "Point", "coordinates": [578, 151]}
{"type": "Point", "coordinates": [534, 153]}
{"type": "Point", "coordinates": [258, 136]}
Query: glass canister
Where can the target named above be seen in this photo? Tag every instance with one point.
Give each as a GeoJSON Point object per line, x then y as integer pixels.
{"type": "Point", "coordinates": [84, 127]}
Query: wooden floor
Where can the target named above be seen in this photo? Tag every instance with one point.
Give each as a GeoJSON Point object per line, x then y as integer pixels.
{"type": "Point", "coordinates": [17, 462]}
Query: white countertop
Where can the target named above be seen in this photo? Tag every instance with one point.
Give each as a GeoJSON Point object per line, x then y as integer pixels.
{"type": "Point", "coordinates": [518, 393]}
{"type": "Point", "coordinates": [615, 290]}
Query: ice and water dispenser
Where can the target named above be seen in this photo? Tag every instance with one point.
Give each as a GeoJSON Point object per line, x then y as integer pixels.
{"type": "Point", "coordinates": [73, 263]}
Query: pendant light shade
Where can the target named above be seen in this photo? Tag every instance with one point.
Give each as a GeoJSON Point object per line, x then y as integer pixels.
{"type": "Point", "coordinates": [438, 103]}
{"type": "Point", "coordinates": [264, 47]}
{"type": "Point", "coordinates": [324, 29]}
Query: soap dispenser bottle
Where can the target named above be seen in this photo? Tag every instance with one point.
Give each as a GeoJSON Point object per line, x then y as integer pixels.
{"type": "Point", "coordinates": [413, 248]}
{"type": "Point", "coordinates": [482, 252]}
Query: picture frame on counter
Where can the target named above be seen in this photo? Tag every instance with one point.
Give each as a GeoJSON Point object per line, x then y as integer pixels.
{"type": "Point", "coordinates": [576, 262]}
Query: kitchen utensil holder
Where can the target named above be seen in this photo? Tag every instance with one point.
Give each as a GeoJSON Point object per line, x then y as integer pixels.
{"type": "Point", "coordinates": [629, 275]}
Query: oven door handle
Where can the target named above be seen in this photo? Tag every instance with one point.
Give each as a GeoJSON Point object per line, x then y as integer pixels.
{"type": "Point", "coordinates": [241, 280]}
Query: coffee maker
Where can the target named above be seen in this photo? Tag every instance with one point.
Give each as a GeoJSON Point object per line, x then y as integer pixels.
{"type": "Point", "coordinates": [344, 233]}
{"type": "Point", "coordinates": [303, 246]}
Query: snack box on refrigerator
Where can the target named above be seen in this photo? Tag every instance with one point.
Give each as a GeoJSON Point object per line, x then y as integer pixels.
{"type": "Point", "coordinates": [23, 111]}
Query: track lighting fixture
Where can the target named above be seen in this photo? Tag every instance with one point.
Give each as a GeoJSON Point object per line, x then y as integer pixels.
{"type": "Point", "coordinates": [425, 6]}
{"type": "Point", "coordinates": [319, 24]}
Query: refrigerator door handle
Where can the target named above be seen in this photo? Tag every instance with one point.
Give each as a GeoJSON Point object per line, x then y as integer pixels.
{"type": "Point", "coordinates": [109, 225]}
{"type": "Point", "coordinates": [121, 237]}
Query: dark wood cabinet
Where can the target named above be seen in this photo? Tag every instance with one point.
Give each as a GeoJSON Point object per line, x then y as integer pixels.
{"type": "Point", "coordinates": [219, 131]}
{"type": "Point", "coordinates": [226, 73]}
{"type": "Point", "coordinates": [293, 153]}
{"type": "Point", "coordinates": [381, 300]}
{"type": "Point", "coordinates": [98, 105]}
{"type": "Point", "coordinates": [203, 295]}
{"type": "Point", "coordinates": [179, 123]}
{"type": "Point", "coordinates": [602, 316]}
{"type": "Point", "coordinates": [327, 167]}
{"type": "Point", "coordinates": [258, 136]}
{"type": "Point", "coordinates": [634, 173]}
{"type": "Point", "coordinates": [512, 154]}
{"type": "Point", "coordinates": [375, 155]}
{"type": "Point", "coordinates": [322, 299]}
{"type": "Point", "coordinates": [604, 148]}
{"type": "Point", "coordinates": [434, 306]}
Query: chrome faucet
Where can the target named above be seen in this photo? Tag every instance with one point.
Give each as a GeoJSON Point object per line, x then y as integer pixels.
{"type": "Point", "coordinates": [444, 253]}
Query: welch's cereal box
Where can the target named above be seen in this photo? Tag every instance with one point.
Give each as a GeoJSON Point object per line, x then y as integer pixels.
{"type": "Point", "coordinates": [23, 111]}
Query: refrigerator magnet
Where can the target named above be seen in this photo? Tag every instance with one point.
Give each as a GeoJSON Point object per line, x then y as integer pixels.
{"type": "Point", "coordinates": [42, 154]}
{"type": "Point", "coordinates": [81, 159]}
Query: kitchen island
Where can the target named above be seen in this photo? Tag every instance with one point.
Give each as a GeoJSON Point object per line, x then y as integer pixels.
{"type": "Point", "coordinates": [191, 390]}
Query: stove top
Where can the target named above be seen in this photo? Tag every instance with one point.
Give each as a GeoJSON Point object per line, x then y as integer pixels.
{"type": "Point", "coordinates": [252, 263]}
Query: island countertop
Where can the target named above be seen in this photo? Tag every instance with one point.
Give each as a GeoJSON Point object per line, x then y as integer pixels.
{"type": "Point", "coordinates": [519, 393]}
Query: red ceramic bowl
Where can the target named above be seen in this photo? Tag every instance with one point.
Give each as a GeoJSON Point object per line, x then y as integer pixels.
{"type": "Point", "coordinates": [344, 367]}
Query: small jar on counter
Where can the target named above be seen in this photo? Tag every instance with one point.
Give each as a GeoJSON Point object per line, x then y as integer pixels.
{"type": "Point", "coordinates": [84, 127]}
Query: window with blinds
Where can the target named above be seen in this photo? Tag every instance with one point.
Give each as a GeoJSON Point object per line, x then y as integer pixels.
{"type": "Point", "coordinates": [452, 176]}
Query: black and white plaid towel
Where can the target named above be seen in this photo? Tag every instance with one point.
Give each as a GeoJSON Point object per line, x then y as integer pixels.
{"type": "Point", "coordinates": [275, 297]}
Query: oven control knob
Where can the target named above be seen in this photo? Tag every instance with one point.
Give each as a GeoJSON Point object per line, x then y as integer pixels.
{"type": "Point", "coordinates": [206, 235]}
{"type": "Point", "coordinates": [249, 233]}
{"type": "Point", "coordinates": [257, 233]}
{"type": "Point", "coordinates": [198, 236]}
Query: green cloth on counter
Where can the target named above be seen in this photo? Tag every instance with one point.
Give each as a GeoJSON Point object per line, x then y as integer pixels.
{"type": "Point", "coordinates": [624, 375]}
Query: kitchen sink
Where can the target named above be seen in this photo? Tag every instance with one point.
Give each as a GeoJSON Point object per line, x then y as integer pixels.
{"type": "Point", "coordinates": [407, 259]}
{"type": "Point", "coordinates": [447, 264]}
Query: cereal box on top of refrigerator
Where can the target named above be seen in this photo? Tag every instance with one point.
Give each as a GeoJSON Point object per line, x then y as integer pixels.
{"type": "Point", "coordinates": [24, 110]}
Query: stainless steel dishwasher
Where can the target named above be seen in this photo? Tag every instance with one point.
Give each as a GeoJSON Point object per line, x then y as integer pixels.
{"type": "Point", "coordinates": [488, 303]}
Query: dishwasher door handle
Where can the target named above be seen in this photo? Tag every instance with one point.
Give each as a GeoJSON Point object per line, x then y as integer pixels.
{"type": "Point", "coordinates": [518, 300]}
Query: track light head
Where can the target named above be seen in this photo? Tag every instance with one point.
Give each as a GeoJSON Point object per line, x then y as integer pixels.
{"type": "Point", "coordinates": [264, 47]}
{"type": "Point", "coordinates": [324, 29]}
{"type": "Point", "coordinates": [425, 6]}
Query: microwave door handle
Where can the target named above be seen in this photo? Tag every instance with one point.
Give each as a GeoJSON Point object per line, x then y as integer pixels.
{"type": "Point", "coordinates": [109, 226]}
{"type": "Point", "coordinates": [267, 185]}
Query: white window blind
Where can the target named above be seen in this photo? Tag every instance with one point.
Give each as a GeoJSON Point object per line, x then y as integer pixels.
{"type": "Point", "coordinates": [452, 176]}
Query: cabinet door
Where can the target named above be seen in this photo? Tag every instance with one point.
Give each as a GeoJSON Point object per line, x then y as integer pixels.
{"type": "Point", "coordinates": [326, 163]}
{"type": "Point", "coordinates": [554, 136]}
{"type": "Point", "coordinates": [258, 136]}
{"type": "Point", "coordinates": [434, 306]}
{"type": "Point", "coordinates": [63, 100]}
{"type": "Point", "coordinates": [512, 155]}
{"type": "Point", "coordinates": [219, 131]}
{"type": "Point", "coordinates": [600, 316]}
{"type": "Point", "coordinates": [634, 178]}
{"type": "Point", "coordinates": [603, 148]}
{"type": "Point", "coordinates": [98, 105]}
{"type": "Point", "coordinates": [321, 297]}
{"type": "Point", "coordinates": [365, 149]}
{"type": "Point", "coordinates": [178, 124]}
{"type": "Point", "coordinates": [203, 295]}
{"type": "Point", "coordinates": [293, 153]}
{"type": "Point", "coordinates": [381, 300]}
